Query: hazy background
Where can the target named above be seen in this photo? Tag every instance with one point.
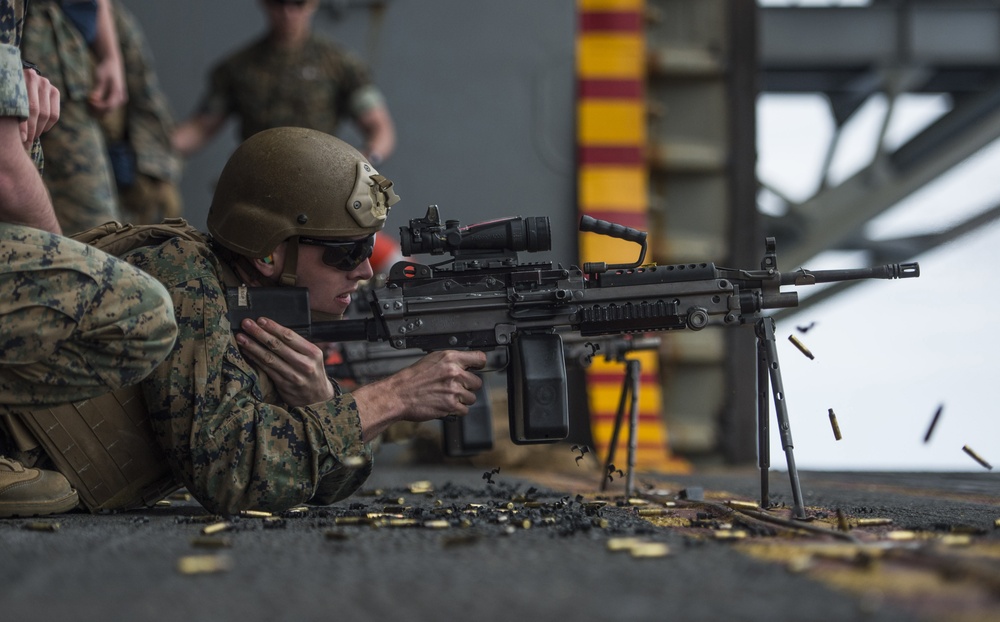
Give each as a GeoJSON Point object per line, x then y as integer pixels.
{"type": "Point", "coordinates": [888, 353]}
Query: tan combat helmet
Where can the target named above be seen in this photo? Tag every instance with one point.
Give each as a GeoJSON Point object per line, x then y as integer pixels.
{"type": "Point", "coordinates": [287, 182]}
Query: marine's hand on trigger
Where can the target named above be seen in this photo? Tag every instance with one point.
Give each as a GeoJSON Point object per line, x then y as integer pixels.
{"type": "Point", "coordinates": [442, 384]}
{"type": "Point", "coordinates": [292, 362]}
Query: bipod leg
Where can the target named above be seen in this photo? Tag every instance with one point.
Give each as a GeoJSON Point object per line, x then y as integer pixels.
{"type": "Point", "coordinates": [765, 333]}
{"type": "Point", "coordinates": [763, 431]}
{"type": "Point", "coordinates": [632, 376]}
{"type": "Point", "coordinates": [619, 417]}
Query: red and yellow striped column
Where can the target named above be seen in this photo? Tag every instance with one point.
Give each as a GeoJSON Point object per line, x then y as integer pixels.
{"type": "Point", "coordinates": [612, 182]}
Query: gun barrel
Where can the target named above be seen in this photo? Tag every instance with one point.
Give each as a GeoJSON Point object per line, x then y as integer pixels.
{"type": "Point", "coordinates": [887, 271]}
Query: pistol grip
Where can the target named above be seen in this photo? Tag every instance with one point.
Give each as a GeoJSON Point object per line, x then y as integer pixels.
{"type": "Point", "coordinates": [471, 434]}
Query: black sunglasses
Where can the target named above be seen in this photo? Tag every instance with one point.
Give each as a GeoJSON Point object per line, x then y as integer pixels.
{"type": "Point", "coordinates": [342, 255]}
{"type": "Point", "coordinates": [294, 2]}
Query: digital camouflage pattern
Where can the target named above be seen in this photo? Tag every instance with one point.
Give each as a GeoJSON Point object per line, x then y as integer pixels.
{"type": "Point", "coordinates": [77, 170]}
{"type": "Point", "coordinates": [76, 322]}
{"type": "Point", "coordinates": [13, 96]}
{"type": "Point", "coordinates": [314, 87]}
{"type": "Point", "coordinates": [226, 433]}
{"type": "Point", "coordinates": [141, 132]}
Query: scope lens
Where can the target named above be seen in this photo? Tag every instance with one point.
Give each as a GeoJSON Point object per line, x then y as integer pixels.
{"type": "Point", "coordinates": [537, 234]}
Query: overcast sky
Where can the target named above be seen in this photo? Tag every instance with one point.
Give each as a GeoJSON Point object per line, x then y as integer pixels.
{"type": "Point", "coordinates": [888, 353]}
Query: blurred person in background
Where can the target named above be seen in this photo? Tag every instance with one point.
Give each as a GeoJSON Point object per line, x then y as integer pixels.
{"type": "Point", "coordinates": [75, 45]}
{"type": "Point", "coordinates": [146, 168]}
{"type": "Point", "coordinates": [290, 77]}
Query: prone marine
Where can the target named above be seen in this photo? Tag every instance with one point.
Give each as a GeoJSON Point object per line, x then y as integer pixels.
{"type": "Point", "coordinates": [248, 419]}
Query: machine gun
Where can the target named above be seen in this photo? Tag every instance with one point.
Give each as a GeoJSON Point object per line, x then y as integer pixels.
{"type": "Point", "coordinates": [482, 297]}
{"type": "Point", "coordinates": [367, 361]}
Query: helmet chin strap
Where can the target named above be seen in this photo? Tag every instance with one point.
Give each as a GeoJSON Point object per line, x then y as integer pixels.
{"type": "Point", "coordinates": [288, 276]}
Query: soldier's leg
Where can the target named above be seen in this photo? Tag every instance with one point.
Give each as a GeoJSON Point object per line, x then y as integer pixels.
{"type": "Point", "coordinates": [75, 322]}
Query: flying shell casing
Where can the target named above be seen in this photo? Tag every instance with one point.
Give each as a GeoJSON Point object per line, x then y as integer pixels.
{"type": "Point", "coordinates": [802, 348]}
{"type": "Point", "coordinates": [934, 420]}
{"type": "Point", "coordinates": [835, 425]}
{"type": "Point", "coordinates": [977, 457]}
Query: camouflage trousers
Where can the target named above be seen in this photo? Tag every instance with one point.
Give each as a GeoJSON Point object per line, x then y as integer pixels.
{"type": "Point", "coordinates": [75, 322]}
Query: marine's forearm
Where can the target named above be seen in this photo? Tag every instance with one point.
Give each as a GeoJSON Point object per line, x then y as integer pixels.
{"type": "Point", "coordinates": [23, 197]}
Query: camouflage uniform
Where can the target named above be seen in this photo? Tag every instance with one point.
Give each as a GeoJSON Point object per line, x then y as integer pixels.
{"type": "Point", "coordinates": [74, 321]}
{"type": "Point", "coordinates": [78, 173]}
{"type": "Point", "coordinates": [227, 434]}
{"type": "Point", "coordinates": [13, 97]}
{"type": "Point", "coordinates": [139, 133]}
{"type": "Point", "coordinates": [312, 87]}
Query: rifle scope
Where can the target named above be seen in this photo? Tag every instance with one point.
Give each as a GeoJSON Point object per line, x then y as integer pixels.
{"type": "Point", "coordinates": [512, 234]}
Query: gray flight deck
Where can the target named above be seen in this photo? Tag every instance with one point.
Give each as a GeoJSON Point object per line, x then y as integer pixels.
{"type": "Point", "coordinates": [532, 545]}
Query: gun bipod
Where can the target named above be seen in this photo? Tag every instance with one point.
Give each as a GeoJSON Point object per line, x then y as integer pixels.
{"type": "Point", "coordinates": [768, 369]}
{"type": "Point", "coordinates": [630, 393]}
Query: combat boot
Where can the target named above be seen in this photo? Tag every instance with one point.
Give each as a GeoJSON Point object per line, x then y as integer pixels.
{"type": "Point", "coordinates": [33, 492]}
